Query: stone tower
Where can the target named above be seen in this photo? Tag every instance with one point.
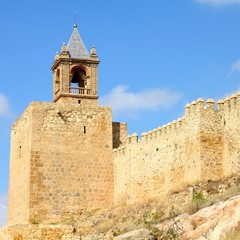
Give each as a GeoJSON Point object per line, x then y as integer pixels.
{"type": "Point", "coordinates": [75, 73]}
{"type": "Point", "coordinates": [61, 151]}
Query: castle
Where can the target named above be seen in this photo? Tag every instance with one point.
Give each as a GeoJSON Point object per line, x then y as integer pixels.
{"type": "Point", "coordinates": [61, 152]}
{"type": "Point", "coordinates": [68, 155]}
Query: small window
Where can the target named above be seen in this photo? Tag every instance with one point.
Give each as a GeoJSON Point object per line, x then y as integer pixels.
{"type": "Point", "coordinates": [20, 152]}
{"type": "Point", "coordinates": [79, 101]}
{"type": "Point", "coordinates": [84, 129]}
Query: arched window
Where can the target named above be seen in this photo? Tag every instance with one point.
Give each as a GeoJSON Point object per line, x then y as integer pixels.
{"type": "Point", "coordinates": [57, 82]}
{"type": "Point", "coordinates": [57, 79]}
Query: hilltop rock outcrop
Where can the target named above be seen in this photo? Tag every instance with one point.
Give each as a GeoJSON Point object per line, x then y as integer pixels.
{"type": "Point", "coordinates": [211, 223]}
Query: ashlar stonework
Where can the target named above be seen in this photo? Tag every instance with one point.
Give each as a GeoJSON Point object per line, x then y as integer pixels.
{"type": "Point", "coordinates": [68, 155]}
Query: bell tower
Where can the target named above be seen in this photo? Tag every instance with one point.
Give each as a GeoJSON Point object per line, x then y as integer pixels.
{"type": "Point", "coordinates": [62, 151]}
{"type": "Point", "coordinates": [75, 73]}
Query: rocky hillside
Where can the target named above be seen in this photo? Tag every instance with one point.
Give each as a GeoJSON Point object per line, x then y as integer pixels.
{"type": "Point", "coordinates": [205, 211]}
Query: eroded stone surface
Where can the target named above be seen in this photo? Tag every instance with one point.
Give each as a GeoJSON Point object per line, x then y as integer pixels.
{"type": "Point", "coordinates": [141, 234]}
{"type": "Point", "coordinates": [211, 223]}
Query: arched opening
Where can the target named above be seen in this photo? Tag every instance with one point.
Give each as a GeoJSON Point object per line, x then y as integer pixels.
{"type": "Point", "coordinates": [78, 78]}
{"type": "Point", "coordinates": [58, 75]}
{"type": "Point", "coordinates": [57, 82]}
{"type": "Point", "coordinates": [78, 81]}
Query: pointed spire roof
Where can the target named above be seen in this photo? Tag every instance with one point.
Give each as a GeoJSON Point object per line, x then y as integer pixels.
{"type": "Point", "coordinates": [76, 47]}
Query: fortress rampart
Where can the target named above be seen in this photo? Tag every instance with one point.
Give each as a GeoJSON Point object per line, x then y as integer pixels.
{"type": "Point", "coordinates": [68, 155]}
{"type": "Point", "coordinates": [203, 145]}
{"type": "Point", "coordinates": [61, 162]}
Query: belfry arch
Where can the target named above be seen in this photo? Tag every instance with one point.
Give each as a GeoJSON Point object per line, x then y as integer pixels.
{"type": "Point", "coordinates": [78, 77]}
{"type": "Point", "coordinates": [57, 81]}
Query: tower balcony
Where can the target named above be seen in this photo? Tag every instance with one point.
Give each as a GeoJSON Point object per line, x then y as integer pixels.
{"type": "Point", "coordinates": [79, 90]}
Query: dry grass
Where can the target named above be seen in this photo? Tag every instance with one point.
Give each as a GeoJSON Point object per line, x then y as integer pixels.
{"type": "Point", "coordinates": [118, 219]}
{"type": "Point", "coordinates": [228, 193]}
{"type": "Point", "coordinates": [124, 218]}
{"type": "Point", "coordinates": [214, 196]}
{"type": "Point", "coordinates": [235, 235]}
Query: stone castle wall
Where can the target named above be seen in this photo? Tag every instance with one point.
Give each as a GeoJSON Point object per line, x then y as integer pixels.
{"type": "Point", "coordinates": [37, 232]}
{"type": "Point", "coordinates": [119, 134]}
{"type": "Point", "coordinates": [66, 164]}
{"type": "Point", "coordinates": [18, 196]}
{"type": "Point", "coordinates": [62, 157]}
{"type": "Point", "coordinates": [229, 111]}
{"type": "Point", "coordinates": [203, 145]}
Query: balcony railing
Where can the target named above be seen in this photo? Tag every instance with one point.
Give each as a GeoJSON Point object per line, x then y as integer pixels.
{"type": "Point", "coordinates": [82, 91]}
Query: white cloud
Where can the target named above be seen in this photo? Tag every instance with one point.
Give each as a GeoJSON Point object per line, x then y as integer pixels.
{"type": "Point", "coordinates": [218, 2]}
{"type": "Point", "coordinates": [4, 107]}
{"type": "Point", "coordinates": [3, 210]}
{"type": "Point", "coordinates": [235, 67]}
{"type": "Point", "coordinates": [122, 100]}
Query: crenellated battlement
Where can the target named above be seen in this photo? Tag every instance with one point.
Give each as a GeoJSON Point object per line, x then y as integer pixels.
{"type": "Point", "coordinates": [200, 146]}
{"type": "Point", "coordinates": [191, 110]}
{"type": "Point", "coordinates": [229, 103]}
{"type": "Point", "coordinates": [152, 135]}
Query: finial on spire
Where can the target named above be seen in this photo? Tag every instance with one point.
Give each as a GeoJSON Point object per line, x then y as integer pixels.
{"type": "Point", "coordinates": [57, 56]}
{"type": "Point", "coordinates": [93, 54]}
{"type": "Point", "coordinates": [75, 20]}
{"type": "Point", "coordinates": [64, 48]}
{"type": "Point", "coordinates": [93, 51]}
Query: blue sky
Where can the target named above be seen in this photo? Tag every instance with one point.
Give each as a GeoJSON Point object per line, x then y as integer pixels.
{"type": "Point", "coordinates": [156, 56]}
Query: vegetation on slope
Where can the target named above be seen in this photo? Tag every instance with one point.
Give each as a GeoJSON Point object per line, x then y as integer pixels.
{"type": "Point", "coordinates": [120, 219]}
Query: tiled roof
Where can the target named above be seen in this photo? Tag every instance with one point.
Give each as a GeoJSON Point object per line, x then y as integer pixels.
{"type": "Point", "coordinates": [76, 47]}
